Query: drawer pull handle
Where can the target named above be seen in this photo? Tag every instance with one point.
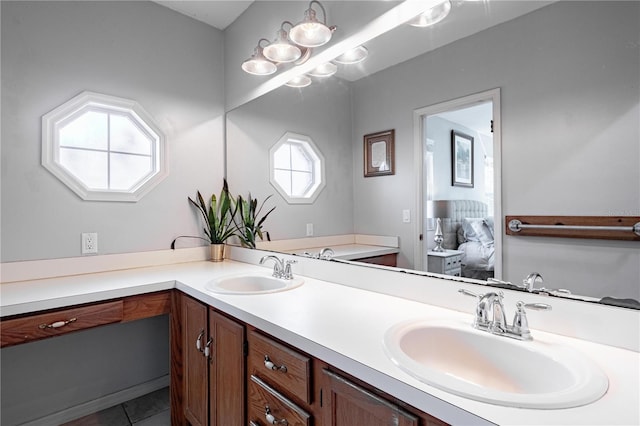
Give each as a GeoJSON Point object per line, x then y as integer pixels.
{"type": "Point", "coordinates": [271, 418]}
{"type": "Point", "coordinates": [207, 351]}
{"type": "Point", "coordinates": [271, 366]}
{"type": "Point", "coordinates": [57, 324]}
{"type": "Point", "coordinates": [199, 341]}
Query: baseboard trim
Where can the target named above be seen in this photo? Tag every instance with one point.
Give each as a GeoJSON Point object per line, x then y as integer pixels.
{"type": "Point", "coordinates": [96, 405]}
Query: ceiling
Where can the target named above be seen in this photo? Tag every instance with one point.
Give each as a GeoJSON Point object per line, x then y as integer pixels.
{"type": "Point", "coordinates": [217, 13]}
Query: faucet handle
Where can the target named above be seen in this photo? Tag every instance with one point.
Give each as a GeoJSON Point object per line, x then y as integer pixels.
{"type": "Point", "coordinates": [521, 323]}
{"type": "Point", "coordinates": [287, 274]}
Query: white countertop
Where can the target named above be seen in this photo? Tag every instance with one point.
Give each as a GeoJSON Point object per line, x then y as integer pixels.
{"type": "Point", "coordinates": [343, 326]}
{"type": "Point", "coordinates": [350, 251]}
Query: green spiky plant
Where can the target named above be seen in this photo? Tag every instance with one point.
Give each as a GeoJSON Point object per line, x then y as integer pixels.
{"type": "Point", "coordinates": [249, 224]}
{"type": "Point", "coordinates": [218, 215]}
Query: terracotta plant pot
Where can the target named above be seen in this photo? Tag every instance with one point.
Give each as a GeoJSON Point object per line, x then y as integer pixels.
{"type": "Point", "coordinates": [217, 252]}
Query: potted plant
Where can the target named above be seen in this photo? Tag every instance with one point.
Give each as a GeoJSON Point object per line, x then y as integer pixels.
{"type": "Point", "coordinates": [218, 215]}
{"type": "Point", "coordinates": [249, 225]}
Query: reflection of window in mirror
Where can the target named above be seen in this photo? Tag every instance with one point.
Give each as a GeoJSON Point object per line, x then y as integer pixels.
{"type": "Point", "coordinates": [296, 169]}
{"type": "Point", "coordinates": [103, 148]}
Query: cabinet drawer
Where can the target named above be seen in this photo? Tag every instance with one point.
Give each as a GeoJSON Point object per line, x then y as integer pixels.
{"type": "Point", "coordinates": [265, 401]}
{"type": "Point", "coordinates": [36, 327]}
{"type": "Point", "coordinates": [285, 369]}
{"type": "Point", "coordinates": [453, 261]}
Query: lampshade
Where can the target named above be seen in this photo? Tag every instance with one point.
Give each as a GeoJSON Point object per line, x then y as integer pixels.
{"type": "Point", "coordinates": [432, 16]}
{"type": "Point", "coordinates": [353, 56]}
{"type": "Point", "coordinates": [257, 64]}
{"type": "Point", "coordinates": [281, 50]}
{"type": "Point", "coordinates": [299, 81]}
{"type": "Point", "coordinates": [311, 32]}
{"type": "Point", "coordinates": [325, 70]}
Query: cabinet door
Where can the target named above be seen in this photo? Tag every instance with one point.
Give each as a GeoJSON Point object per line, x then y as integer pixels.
{"type": "Point", "coordinates": [226, 371]}
{"type": "Point", "coordinates": [195, 393]}
{"type": "Point", "coordinates": [350, 405]}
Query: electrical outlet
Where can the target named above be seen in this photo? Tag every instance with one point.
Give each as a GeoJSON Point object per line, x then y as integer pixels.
{"type": "Point", "coordinates": [89, 243]}
{"type": "Point", "coordinates": [309, 229]}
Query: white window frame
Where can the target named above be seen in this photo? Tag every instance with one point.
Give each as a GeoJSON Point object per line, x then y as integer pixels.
{"type": "Point", "coordinates": [319, 180]}
{"type": "Point", "coordinates": [54, 120]}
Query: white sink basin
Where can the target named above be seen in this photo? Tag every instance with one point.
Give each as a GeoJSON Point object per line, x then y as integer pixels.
{"type": "Point", "coordinates": [251, 284]}
{"type": "Point", "coordinates": [476, 364]}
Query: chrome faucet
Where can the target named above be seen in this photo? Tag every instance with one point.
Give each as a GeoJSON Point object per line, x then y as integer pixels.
{"type": "Point", "coordinates": [326, 253]}
{"type": "Point", "coordinates": [490, 315]}
{"type": "Point", "coordinates": [281, 268]}
{"type": "Point", "coordinates": [529, 282]}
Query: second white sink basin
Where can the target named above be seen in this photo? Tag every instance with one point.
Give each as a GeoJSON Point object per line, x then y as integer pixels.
{"type": "Point", "coordinates": [495, 369]}
{"type": "Point", "coordinates": [251, 284]}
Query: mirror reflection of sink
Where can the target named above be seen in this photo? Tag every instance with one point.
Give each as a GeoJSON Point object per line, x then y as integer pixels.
{"type": "Point", "coordinates": [478, 365]}
{"type": "Point", "coordinates": [251, 284]}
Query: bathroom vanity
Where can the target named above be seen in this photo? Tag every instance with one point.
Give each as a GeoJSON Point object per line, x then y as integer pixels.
{"type": "Point", "coordinates": [313, 355]}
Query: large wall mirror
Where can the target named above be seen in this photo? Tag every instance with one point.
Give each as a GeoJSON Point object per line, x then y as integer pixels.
{"type": "Point", "coordinates": [567, 74]}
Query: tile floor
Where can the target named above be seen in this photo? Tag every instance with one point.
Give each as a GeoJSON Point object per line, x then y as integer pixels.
{"type": "Point", "coordinates": [148, 410]}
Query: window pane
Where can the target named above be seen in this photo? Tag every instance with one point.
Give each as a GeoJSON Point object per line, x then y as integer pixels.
{"type": "Point", "coordinates": [300, 159]}
{"type": "Point", "coordinates": [127, 137]}
{"type": "Point", "coordinates": [301, 181]}
{"type": "Point", "coordinates": [89, 167]}
{"type": "Point", "coordinates": [128, 170]}
{"type": "Point", "coordinates": [282, 157]}
{"type": "Point", "coordinates": [88, 130]}
{"type": "Point", "coordinates": [283, 178]}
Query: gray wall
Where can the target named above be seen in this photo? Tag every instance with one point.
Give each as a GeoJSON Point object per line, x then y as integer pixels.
{"type": "Point", "coordinates": [170, 64]}
{"type": "Point", "coordinates": [570, 95]}
{"type": "Point", "coordinates": [47, 376]}
{"type": "Point", "coordinates": [320, 111]}
{"type": "Point", "coordinates": [173, 66]}
{"type": "Point", "coordinates": [439, 130]}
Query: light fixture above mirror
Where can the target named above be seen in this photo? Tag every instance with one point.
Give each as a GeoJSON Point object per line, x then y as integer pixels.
{"type": "Point", "coordinates": [432, 16]}
{"type": "Point", "coordinates": [296, 46]}
{"type": "Point", "coordinates": [282, 50]}
{"type": "Point", "coordinates": [310, 32]}
{"type": "Point", "coordinates": [257, 64]}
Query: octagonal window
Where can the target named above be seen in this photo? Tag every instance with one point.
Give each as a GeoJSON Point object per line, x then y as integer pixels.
{"type": "Point", "coordinates": [103, 148]}
{"type": "Point", "coordinates": [297, 168]}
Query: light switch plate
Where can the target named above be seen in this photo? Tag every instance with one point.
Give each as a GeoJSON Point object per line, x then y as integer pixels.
{"type": "Point", "coordinates": [406, 216]}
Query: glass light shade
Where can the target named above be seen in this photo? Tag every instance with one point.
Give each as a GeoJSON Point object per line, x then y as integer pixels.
{"type": "Point", "coordinates": [353, 56]}
{"type": "Point", "coordinates": [299, 81]}
{"type": "Point", "coordinates": [325, 70]}
{"type": "Point", "coordinates": [258, 64]}
{"type": "Point", "coordinates": [281, 50]}
{"type": "Point", "coordinates": [310, 32]}
{"type": "Point", "coordinates": [432, 16]}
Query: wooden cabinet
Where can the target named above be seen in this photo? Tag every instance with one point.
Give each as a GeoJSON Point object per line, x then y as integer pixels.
{"type": "Point", "coordinates": [348, 403]}
{"type": "Point", "coordinates": [279, 383]}
{"type": "Point", "coordinates": [385, 260]}
{"type": "Point", "coordinates": [213, 366]}
{"type": "Point", "coordinates": [56, 322]}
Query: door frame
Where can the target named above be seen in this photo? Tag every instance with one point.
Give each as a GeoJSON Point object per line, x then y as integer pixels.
{"type": "Point", "coordinates": [419, 135]}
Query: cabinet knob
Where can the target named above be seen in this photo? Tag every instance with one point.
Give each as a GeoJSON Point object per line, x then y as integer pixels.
{"type": "Point", "coordinates": [271, 419]}
{"type": "Point", "coordinates": [271, 366]}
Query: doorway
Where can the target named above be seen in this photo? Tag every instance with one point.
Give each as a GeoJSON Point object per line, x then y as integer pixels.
{"type": "Point", "coordinates": [457, 149]}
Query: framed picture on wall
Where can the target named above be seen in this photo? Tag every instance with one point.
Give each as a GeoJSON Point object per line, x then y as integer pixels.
{"type": "Point", "coordinates": [379, 153]}
{"type": "Point", "coordinates": [461, 159]}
